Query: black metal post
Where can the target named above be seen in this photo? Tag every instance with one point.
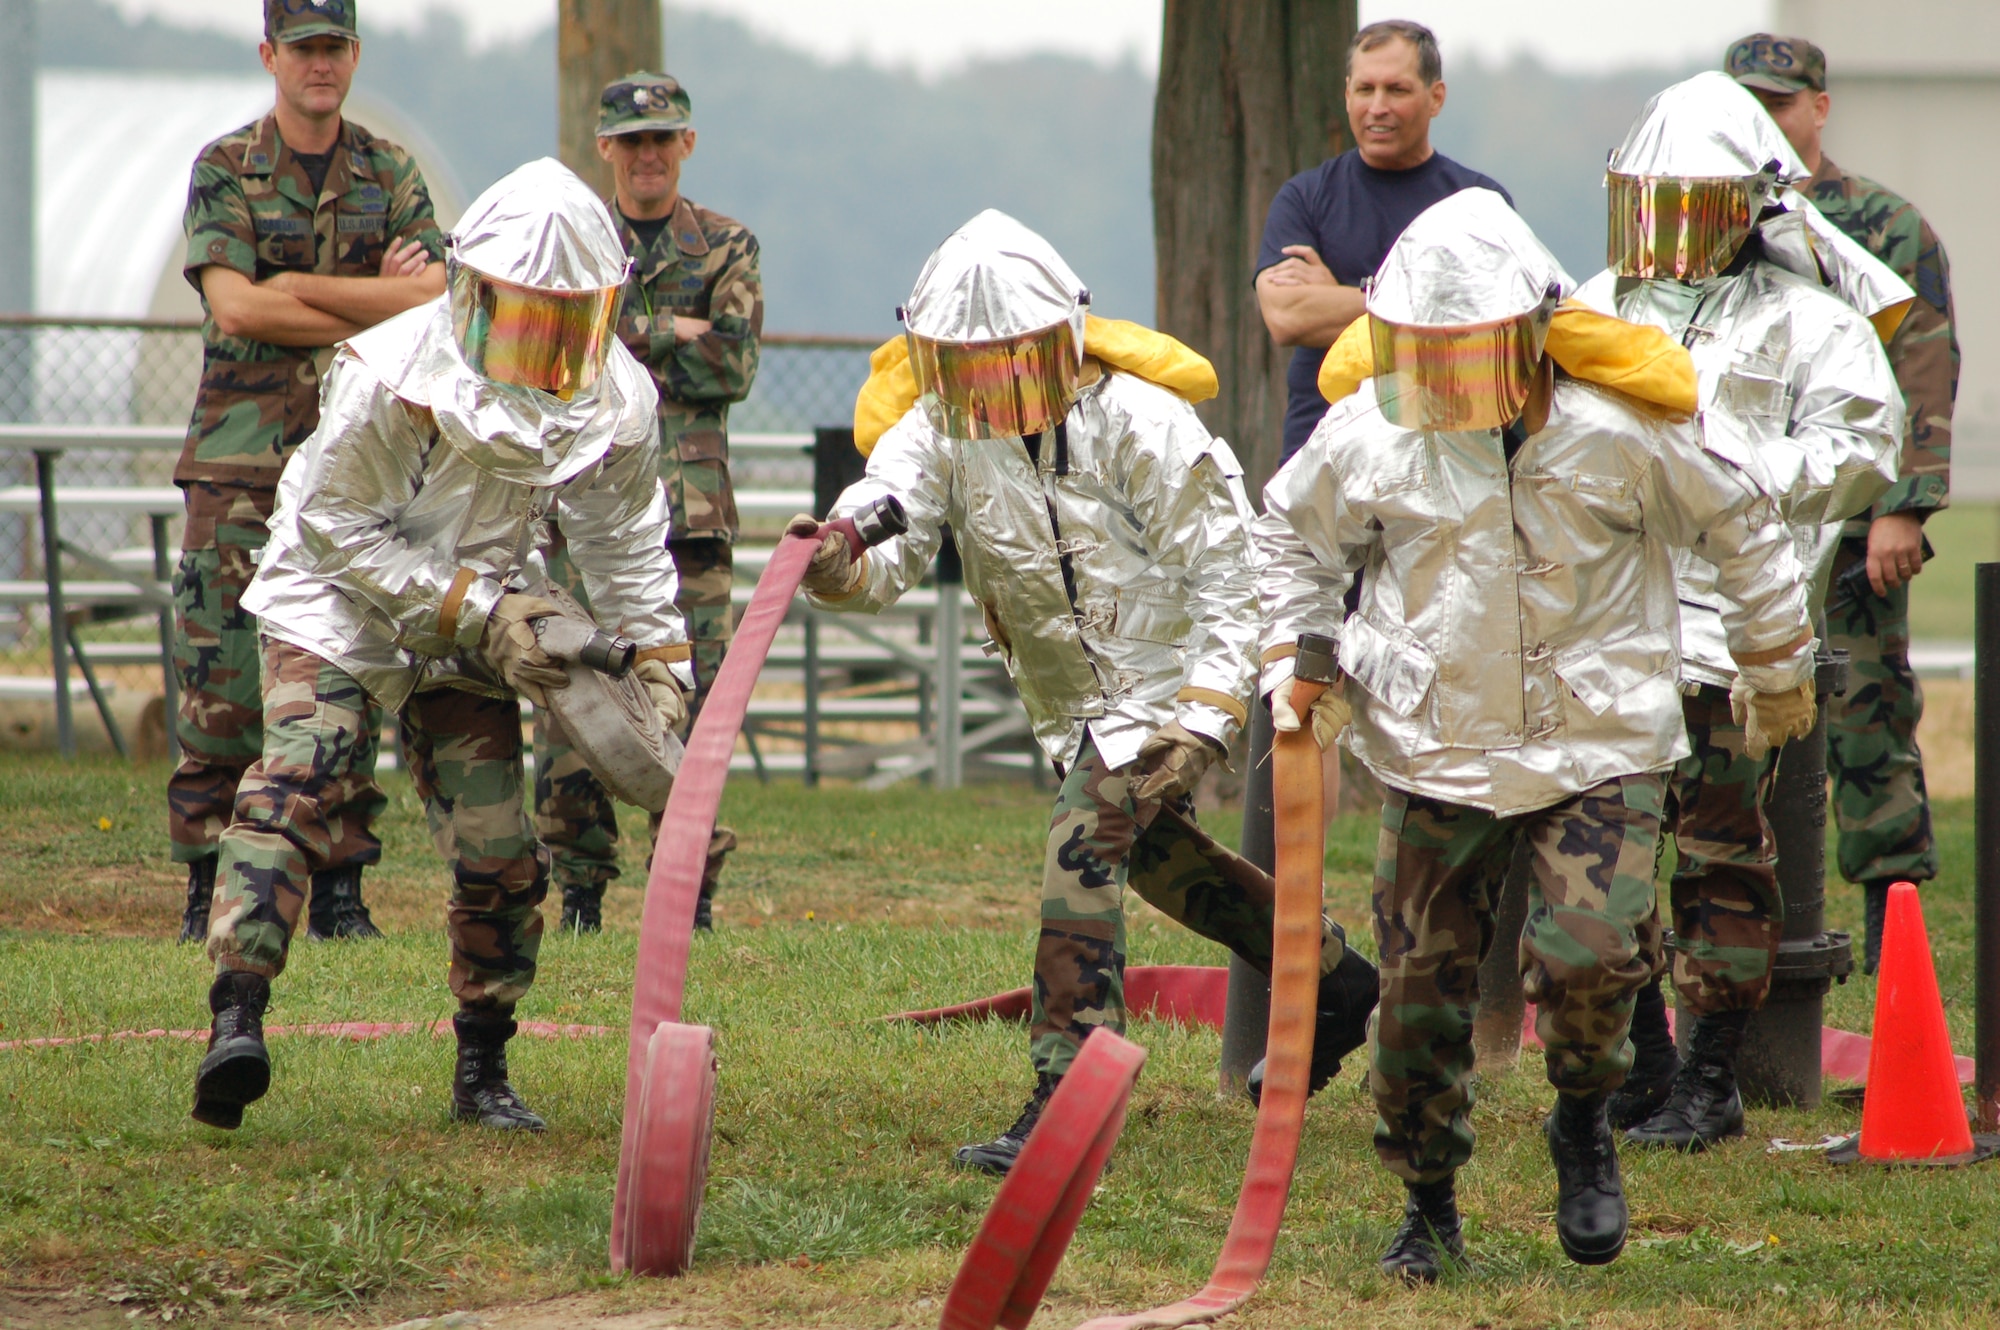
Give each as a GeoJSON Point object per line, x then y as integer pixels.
{"type": "Point", "coordinates": [45, 478]}
{"type": "Point", "coordinates": [837, 463]}
{"type": "Point", "coordinates": [1780, 1059]}
{"type": "Point", "coordinates": [812, 699]}
{"type": "Point", "coordinates": [1986, 846]}
{"type": "Point", "coordinates": [1246, 1016]}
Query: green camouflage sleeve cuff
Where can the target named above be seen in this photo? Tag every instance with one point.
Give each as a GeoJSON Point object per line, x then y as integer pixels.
{"type": "Point", "coordinates": [1919, 494]}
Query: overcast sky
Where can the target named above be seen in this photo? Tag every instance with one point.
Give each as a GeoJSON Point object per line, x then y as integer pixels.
{"type": "Point", "coordinates": [1577, 35]}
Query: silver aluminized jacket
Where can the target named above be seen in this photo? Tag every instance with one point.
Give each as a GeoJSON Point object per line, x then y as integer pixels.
{"type": "Point", "coordinates": [421, 470]}
{"type": "Point", "coordinates": [1516, 641]}
{"type": "Point", "coordinates": [1794, 384]}
{"type": "Point", "coordinates": [1146, 513]}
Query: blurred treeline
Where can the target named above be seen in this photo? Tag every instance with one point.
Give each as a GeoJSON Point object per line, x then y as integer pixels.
{"type": "Point", "coordinates": [849, 173]}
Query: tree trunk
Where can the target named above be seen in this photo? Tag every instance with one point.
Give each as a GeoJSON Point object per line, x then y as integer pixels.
{"type": "Point", "coordinates": [596, 42]}
{"type": "Point", "coordinates": [1250, 94]}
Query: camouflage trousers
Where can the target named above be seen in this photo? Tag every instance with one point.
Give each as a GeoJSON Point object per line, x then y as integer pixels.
{"type": "Point", "coordinates": [1879, 801]}
{"type": "Point", "coordinates": [1101, 838]}
{"type": "Point", "coordinates": [573, 813]}
{"type": "Point", "coordinates": [1589, 945]}
{"type": "Point", "coordinates": [465, 756]}
{"type": "Point", "coordinates": [1727, 913]}
{"type": "Point", "coordinates": [220, 724]}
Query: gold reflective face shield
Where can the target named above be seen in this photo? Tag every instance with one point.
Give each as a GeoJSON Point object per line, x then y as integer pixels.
{"type": "Point", "coordinates": [996, 390]}
{"type": "Point", "coordinates": [1457, 376]}
{"type": "Point", "coordinates": [1679, 227]}
{"type": "Point", "coordinates": [555, 341]}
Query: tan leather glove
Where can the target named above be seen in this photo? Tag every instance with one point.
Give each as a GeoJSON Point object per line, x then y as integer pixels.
{"type": "Point", "coordinates": [1171, 762]}
{"type": "Point", "coordinates": [511, 647]}
{"type": "Point", "coordinates": [1330, 713]}
{"type": "Point", "coordinates": [833, 573]}
{"type": "Point", "coordinates": [665, 690]}
{"type": "Point", "coordinates": [1769, 719]}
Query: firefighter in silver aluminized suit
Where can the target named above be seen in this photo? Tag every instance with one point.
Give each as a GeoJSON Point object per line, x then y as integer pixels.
{"type": "Point", "coordinates": [1103, 532]}
{"type": "Point", "coordinates": [401, 567]}
{"type": "Point", "coordinates": [1710, 244]}
{"type": "Point", "coordinates": [1513, 669]}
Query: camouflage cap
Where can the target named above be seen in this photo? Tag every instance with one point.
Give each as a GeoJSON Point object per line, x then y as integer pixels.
{"type": "Point", "coordinates": [295, 20]}
{"type": "Point", "coordinates": [1777, 64]}
{"type": "Point", "coordinates": [643, 103]}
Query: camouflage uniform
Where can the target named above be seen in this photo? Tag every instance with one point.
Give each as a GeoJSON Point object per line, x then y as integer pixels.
{"type": "Point", "coordinates": [1879, 800]}
{"type": "Point", "coordinates": [1727, 913]}
{"type": "Point", "coordinates": [1589, 944]}
{"type": "Point", "coordinates": [251, 208]}
{"type": "Point", "coordinates": [465, 756]}
{"type": "Point", "coordinates": [702, 265]}
{"type": "Point", "coordinates": [1101, 838]}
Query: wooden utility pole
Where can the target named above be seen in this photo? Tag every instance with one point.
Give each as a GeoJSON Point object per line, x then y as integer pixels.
{"type": "Point", "coordinates": [596, 42]}
{"type": "Point", "coordinates": [1250, 94]}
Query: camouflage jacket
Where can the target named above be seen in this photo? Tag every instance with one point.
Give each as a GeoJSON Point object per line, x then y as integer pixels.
{"type": "Point", "coordinates": [702, 266]}
{"type": "Point", "coordinates": [1924, 351]}
{"type": "Point", "coordinates": [251, 208]}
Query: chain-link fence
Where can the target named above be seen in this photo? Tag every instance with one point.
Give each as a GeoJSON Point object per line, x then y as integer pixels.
{"type": "Point", "coordinates": [139, 372]}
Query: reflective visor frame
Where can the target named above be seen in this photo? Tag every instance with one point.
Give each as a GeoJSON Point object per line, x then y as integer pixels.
{"type": "Point", "coordinates": [1682, 228]}
{"type": "Point", "coordinates": [1465, 376]}
{"type": "Point", "coordinates": [554, 341]}
{"type": "Point", "coordinates": [999, 389]}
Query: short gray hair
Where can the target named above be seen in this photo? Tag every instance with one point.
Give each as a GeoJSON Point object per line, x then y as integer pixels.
{"type": "Point", "coordinates": [1430, 64]}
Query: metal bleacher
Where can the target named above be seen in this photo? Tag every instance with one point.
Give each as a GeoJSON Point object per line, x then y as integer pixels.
{"type": "Point", "coordinates": [876, 698]}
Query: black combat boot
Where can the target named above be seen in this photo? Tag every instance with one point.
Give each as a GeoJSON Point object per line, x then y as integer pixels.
{"type": "Point", "coordinates": [1875, 913]}
{"type": "Point", "coordinates": [1590, 1197]}
{"type": "Point", "coordinates": [583, 907]}
{"type": "Point", "coordinates": [1346, 996]}
{"type": "Point", "coordinates": [1429, 1238]}
{"type": "Point", "coordinates": [1655, 1061]}
{"type": "Point", "coordinates": [334, 910]}
{"type": "Point", "coordinates": [719, 845]}
{"type": "Point", "coordinates": [237, 1070]}
{"type": "Point", "coordinates": [479, 1089]}
{"type": "Point", "coordinates": [1704, 1107]}
{"type": "Point", "coordinates": [998, 1155]}
{"type": "Point", "coordinates": [201, 891]}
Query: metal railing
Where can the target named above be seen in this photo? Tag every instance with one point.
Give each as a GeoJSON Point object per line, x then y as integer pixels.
{"type": "Point", "coordinates": [92, 415]}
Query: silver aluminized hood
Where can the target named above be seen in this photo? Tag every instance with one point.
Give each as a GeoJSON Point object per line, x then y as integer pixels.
{"type": "Point", "coordinates": [1706, 128]}
{"type": "Point", "coordinates": [994, 279]}
{"type": "Point", "coordinates": [1465, 259]}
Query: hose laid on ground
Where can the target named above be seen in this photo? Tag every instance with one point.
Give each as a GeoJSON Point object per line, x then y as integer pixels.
{"type": "Point", "coordinates": [1028, 1227]}
{"type": "Point", "coordinates": [1044, 1203]}
{"type": "Point", "coordinates": [670, 1067]}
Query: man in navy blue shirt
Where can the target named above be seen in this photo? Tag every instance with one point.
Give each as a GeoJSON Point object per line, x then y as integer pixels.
{"type": "Point", "coordinates": [1329, 228]}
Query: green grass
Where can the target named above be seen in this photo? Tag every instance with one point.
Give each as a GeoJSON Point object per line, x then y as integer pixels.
{"type": "Point", "coordinates": [349, 1198]}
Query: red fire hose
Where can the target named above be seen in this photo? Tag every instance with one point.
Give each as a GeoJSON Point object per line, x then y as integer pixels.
{"type": "Point", "coordinates": [670, 1067]}
{"type": "Point", "coordinates": [1040, 1207]}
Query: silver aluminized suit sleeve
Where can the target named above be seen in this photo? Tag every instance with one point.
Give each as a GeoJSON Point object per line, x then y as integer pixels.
{"type": "Point", "coordinates": [1312, 545]}
{"type": "Point", "coordinates": [1180, 486]}
{"type": "Point", "coordinates": [1694, 498]}
{"type": "Point", "coordinates": [1845, 435]}
{"type": "Point", "coordinates": [357, 483]}
{"type": "Point", "coordinates": [910, 462]}
{"type": "Point", "coordinates": [616, 519]}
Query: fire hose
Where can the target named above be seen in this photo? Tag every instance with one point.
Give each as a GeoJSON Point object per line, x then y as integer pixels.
{"type": "Point", "coordinates": [670, 1067]}
{"type": "Point", "coordinates": [1018, 1248]}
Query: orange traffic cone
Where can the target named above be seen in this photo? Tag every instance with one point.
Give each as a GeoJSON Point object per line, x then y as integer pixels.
{"type": "Point", "coordinates": [1913, 1110]}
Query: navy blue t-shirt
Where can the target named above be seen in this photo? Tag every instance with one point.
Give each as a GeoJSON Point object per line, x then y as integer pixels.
{"type": "Point", "coordinates": [1351, 213]}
